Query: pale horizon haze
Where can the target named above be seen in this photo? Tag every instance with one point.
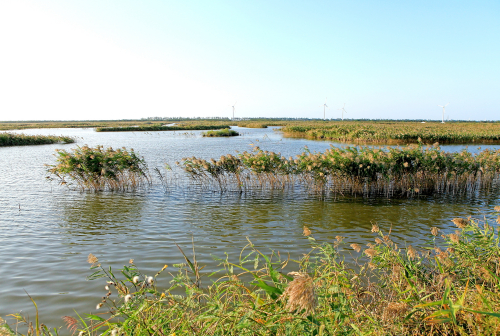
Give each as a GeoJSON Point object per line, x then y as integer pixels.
{"type": "Point", "coordinates": [84, 60]}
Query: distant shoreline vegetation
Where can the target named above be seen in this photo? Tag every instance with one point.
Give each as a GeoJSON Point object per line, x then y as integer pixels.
{"type": "Point", "coordinates": [14, 139]}
{"type": "Point", "coordinates": [397, 132]}
{"type": "Point", "coordinates": [160, 128]}
{"type": "Point", "coordinates": [221, 133]}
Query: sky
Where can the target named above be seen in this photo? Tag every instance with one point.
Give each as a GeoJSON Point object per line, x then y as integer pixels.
{"type": "Point", "coordinates": [123, 59]}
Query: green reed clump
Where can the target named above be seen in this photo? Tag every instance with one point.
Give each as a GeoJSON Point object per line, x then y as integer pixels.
{"type": "Point", "coordinates": [448, 286]}
{"type": "Point", "coordinates": [387, 171]}
{"type": "Point", "coordinates": [221, 133]}
{"type": "Point", "coordinates": [396, 132]}
{"type": "Point", "coordinates": [97, 168]}
{"type": "Point", "coordinates": [252, 124]}
{"type": "Point", "coordinates": [20, 139]}
{"type": "Point", "coordinates": [156, 128]}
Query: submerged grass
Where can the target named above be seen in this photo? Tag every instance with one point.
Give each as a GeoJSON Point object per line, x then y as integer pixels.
{"type": "Point", "coordinates": [448, 286]}
{"type": "Point", "coordinates": [390, 171]}
{"type": "Point", "coordinates": [221, 133]}
{"type": "Point", "coordinates": [97, 169]}
{"type": "Point", "coordinates": [19, 139]}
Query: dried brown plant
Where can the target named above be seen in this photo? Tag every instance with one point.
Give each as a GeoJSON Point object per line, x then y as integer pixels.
{"type": "Point", "coordinates": [301, 294]}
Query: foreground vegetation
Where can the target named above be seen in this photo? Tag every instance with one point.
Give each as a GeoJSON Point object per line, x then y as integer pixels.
{"type": "Point", "coordinates": [221, 133]}
{"type": "Point", "coordinates": [97, 169]}
{"type": "Point", "coordinates": [397, 132]}
{"type": "Point", "coordinates": [449, 286]}
{"type": "Point", "coordinates": [399, 171]}
{"type": "Point", "coordinates": [19, 139]}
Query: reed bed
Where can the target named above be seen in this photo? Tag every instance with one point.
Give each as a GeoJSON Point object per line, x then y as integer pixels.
{"type": "Point", "coordinates": [390, 171]}
{"type": "Point", "coordinates": [448, 286]}
{"type": "Point", "coordinates": [221, 133]}
{"type": "Point", "coordinates": [20, 139]}
{"type": "Point", "coordinates": [98, 169]}
{"type": "Point", "coordinates": [156, 128]}
{"type": "Point", "coordinates": [397, 132]}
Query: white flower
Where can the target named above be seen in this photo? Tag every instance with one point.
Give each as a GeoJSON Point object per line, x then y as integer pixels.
{"type": "Point", "coordinates": [135, 279]}
{"type": "Point", "coordinates": [114, 332]}
{"type": "Point", "coordinates": [150, 280]}
{"type": "Point", "coordinates": [81, 333]}
{"type": "Point", "coordinates": [99, 305]}
{"type": "Point", "coordinates": [127, 298]}
{"type": "Point", "coordinates": [106, 288]}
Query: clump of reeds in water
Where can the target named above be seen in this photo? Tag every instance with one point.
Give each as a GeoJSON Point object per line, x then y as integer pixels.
{"type": "Point", "coordinates": [97, 168]}
{"type": "Point", "coordinates": [448, 286]}
{"type": "Point", "coordinates": [391, 171]}
{"type": "Point", "coordinates": [20, 139]}
{"type": "Point", "coordinates": [221, 133]}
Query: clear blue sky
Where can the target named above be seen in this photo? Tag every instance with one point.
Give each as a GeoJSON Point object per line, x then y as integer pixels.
{"type": "Point", "coordinates": [95, 59]}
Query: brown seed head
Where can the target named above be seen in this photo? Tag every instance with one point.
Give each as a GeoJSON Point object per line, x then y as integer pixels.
{"type": "Point", "coordinates": [434, 231]}
{"type": "Point", "coordinates": [460, 222]}
{"type": "Point", "coordinates": [371, 252]}
{"type": "Point", "coordinates": [497, 208]}
{"type": "Point", "coordinates": [92, 259]}
{"type": "Point", "coordinates": [454, 238]}
{"type": "Point", "coordinates": [339, 238]}
{"type": "Point", "coordinates": [378, 241]}
{"type": "Point", "coordinates": [356, 247]}
{"type": "Point", "coordinates": [301, 294]}
{"type": "Point", "coordinates": [306, 231]}
{"type": "Point", "coordinates": [375, 228]}
{"type": "Point", "coordinates": [411, 252]}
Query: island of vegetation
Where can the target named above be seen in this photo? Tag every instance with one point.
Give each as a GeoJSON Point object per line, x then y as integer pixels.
{"type": "Point", "coordinates": [20, 139]}
{"type": "Point", "coordinates": [221, 133]}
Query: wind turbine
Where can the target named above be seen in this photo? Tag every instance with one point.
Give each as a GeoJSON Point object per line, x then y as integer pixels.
{"type": "Point", "coordinates": [442, 122]}
{"type": "Point", "coordinates": [343, 110]}
{"type": "Point", "coordinates": [233, 109]}
{"type": "Point", "coordinates": [324, 109]}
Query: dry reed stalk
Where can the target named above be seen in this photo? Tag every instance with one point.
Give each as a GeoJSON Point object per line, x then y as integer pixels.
{"type": "Point", "coordinates": [301, 294]}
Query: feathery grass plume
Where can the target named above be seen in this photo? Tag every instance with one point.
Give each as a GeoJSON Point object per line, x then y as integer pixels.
{"type": "Point", "coordinates": [356, 247]}
{"type": "Point", "coordinates": [497, 208]}
{"type": "Point", "coordinates": [411, 252]}
{"type": "Point", "coordinates": [306, 232]}
{"type": "Point", "coordinates": [454, 238]}
{"type": "Point", "coordinates": [378, 241]}
{"type": "Point", "coordinates": [71, 323]}
{"type": "Point", "coordinates": [375, 228]}
{"type": "Point", "coordinates": [434, 231]}
{"type": "Point", "coordinates": [339, 239]}
{"type": "Point", "coordinates": [371, 252]}
{"type": "Point", "coordinates": [92, 259]}
{"type": "Point", "coordinates": [460, 222]}
{"type": "Point", "coordinates": [301, 294]}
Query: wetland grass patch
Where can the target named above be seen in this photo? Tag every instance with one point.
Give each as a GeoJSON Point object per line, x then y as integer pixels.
{"type": "Point", "coordinates": [391, 171]}
{"type": "Point", "coordinates": [20, 139]}
{"type": "Point", "coordinates": [221, 133]}
{"type": "Point", "coordinates": [98, 169]}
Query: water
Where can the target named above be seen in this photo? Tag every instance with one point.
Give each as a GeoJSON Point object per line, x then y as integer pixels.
{"type": "Point", "coordinates": [48, 230]}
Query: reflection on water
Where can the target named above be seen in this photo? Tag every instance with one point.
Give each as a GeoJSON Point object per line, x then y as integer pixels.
{"type": "Point", "coordinates": [46, 243]}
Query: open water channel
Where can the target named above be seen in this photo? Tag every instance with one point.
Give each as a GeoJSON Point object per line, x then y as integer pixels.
{"type": "Point", "coordinates": [47, 230]}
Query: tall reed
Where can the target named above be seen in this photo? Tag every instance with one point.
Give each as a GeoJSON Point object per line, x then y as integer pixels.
{"type": "Point", "coordinates": [97, 169]}
{"type": "Point", "coordinates": [391, 171]}
{"type": "Point", "coordinates": [20, 139]}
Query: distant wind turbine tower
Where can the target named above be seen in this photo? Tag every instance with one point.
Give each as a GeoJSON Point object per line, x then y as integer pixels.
{"type": "Point", "coordinates": [233, 109]}
{"type": "Point", "coordinates": [442, 122]}
{"type": "Point", "coordinates": [324, 109]}
{"type": "Point", "coordinates": [343, 110]}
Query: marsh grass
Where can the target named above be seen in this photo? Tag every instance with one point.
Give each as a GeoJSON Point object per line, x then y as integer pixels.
{"type": "Point", "coordinates": [156, 128]}
{"type": "Point", "coordinates": [98, 169]}
{"type": "Point", "coordinates": [392, 171]}
{"type": "Point", "coordinates": [396, 132]}
{"type": "Point", "coordinates": [20, 139]}
{"type": "Point", "coordinates": [448, 286]}
{"type": "Point", "coordinates": [221, 133]}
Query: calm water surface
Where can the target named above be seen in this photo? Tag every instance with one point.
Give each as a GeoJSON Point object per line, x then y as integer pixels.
{"type": "Point", "coordinates": [47, 230]}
